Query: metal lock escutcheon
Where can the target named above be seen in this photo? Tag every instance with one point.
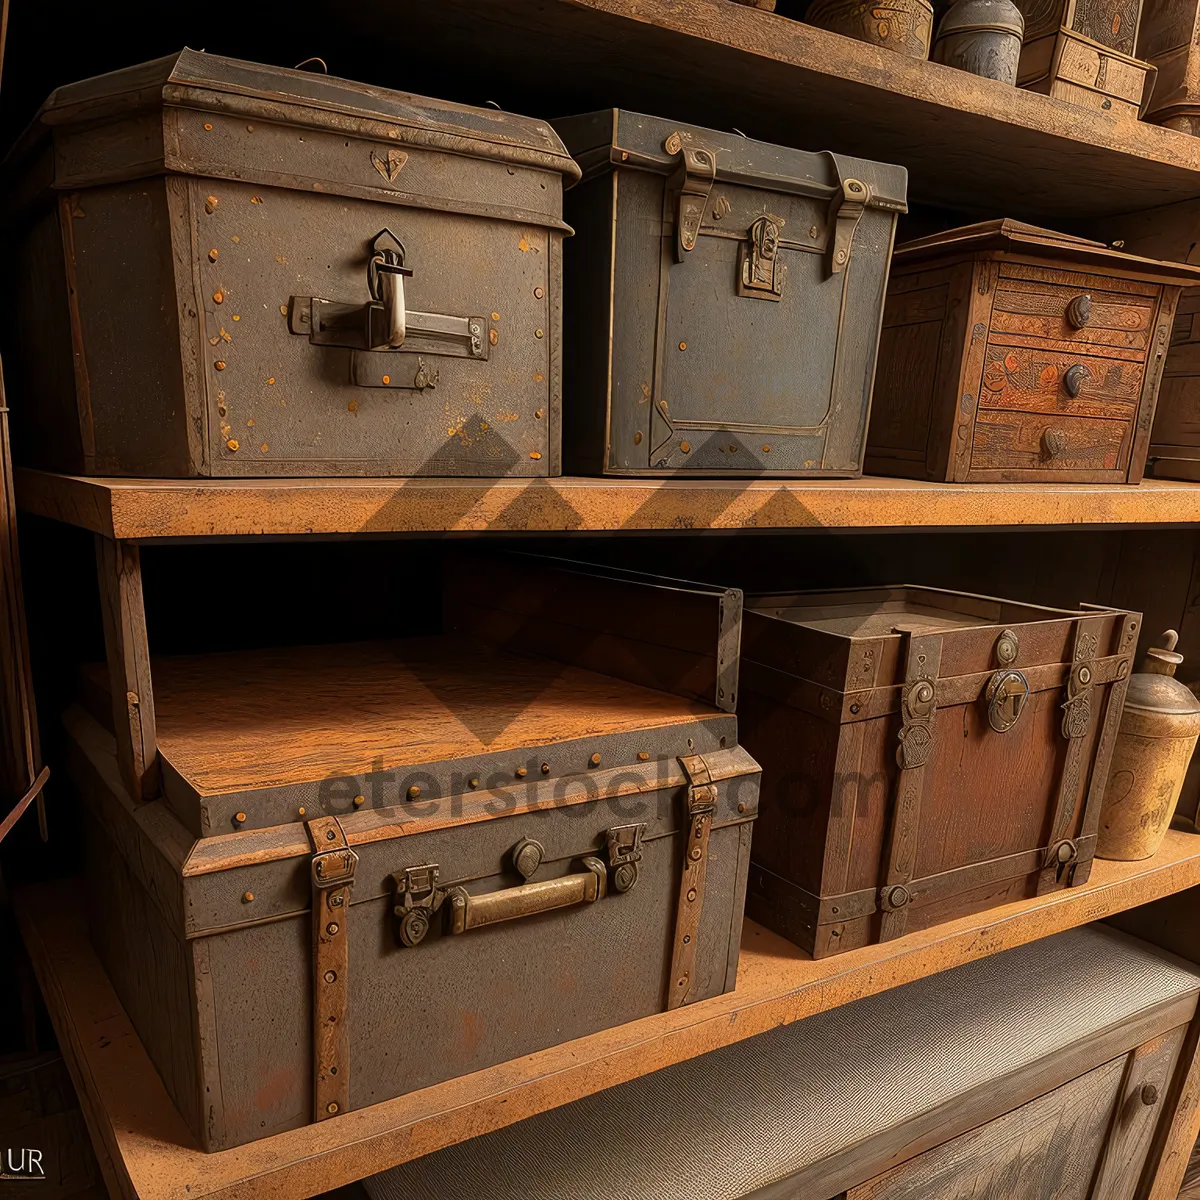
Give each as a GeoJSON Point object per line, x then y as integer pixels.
{"type": "Point", "coordinates": [1007, 693]}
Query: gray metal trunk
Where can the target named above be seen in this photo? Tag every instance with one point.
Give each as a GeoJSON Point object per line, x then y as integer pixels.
{"type": "Point", "coordinates": [313, 919]}
{"type": "Point", "coordinates": [723, 301]}
{"type": "Point", "coordinates": [260, 272]}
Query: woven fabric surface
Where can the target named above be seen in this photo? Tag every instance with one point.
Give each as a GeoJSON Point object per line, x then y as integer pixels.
{"type": "Point", "coordinates": [721, 1125]}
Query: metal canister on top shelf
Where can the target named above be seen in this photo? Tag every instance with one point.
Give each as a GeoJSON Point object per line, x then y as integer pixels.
{"type": "Point", "coordinates": [1159, 727]}
{"type": "Point", "coordinates": [982, 37]}
{"type": "Point", "coordinates": [902, 25]}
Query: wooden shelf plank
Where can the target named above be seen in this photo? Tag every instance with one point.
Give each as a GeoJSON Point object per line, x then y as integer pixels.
{"type": "Point", "coordinates": [968, 142]}
{"type": "Point", "coordinates": [142, 510]}
{"type": "Point", "coordinates": [156, 1159]}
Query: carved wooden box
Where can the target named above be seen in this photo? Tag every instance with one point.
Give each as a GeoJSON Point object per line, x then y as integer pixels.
{"type": "Point", "coordinates": [1169, 39]}
{"type": "Point", "coordinates": [1053, 1071]}
{"type": "Point", "coordinates": [722, 301]}
{"type": "Point", "coordinates": [925, 754]}
{"type": "Point", "coordinates": [451, 853]}
{"type": "Point", "coordinates": [1083, 51]}
{"type": "Point", "coordinates": [225, 269]}
{"type": "Point", "coordinates": [1088, 73]}
{"type": "Point", "coordinates": [1012, 354]}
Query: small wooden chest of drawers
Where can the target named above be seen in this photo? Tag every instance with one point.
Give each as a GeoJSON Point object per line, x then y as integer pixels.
{"type": "Point", "coordinates": [1011, 354]}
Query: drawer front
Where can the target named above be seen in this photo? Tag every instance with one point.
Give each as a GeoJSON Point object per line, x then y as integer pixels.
{"type": "Point", "coordinates": [1088, 66]}
{"type": "Point", "coordinates": [1029, 312]}
{"type": "Point", "coordinates": [1047, 442]}
{"type": "Point", "coordinates": [1024, 379]}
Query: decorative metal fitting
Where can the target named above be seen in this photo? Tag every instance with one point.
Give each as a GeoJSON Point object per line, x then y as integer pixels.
{"type": "Point", "coordinates": [624, 854]}
{"type": "Point", "coordinates": [416, 898]}
{"type": "Point", "coordinates": [894, 897]}
{"type": "Point", "coordinates": [1007, 692]}
{"type": "Point", "coordinates": [527, 856]}
{"type": "Point", "coordinates": [1062, 854]}
{"type": "Point", "coordinates": [1008, 646]}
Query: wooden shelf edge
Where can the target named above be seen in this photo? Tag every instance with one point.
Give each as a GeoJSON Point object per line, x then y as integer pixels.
{"type": "Point", "coordinates": [721, 64]}
{"type": "Point", "coordinates": [156, 1159]}
{"type": "Point", "coordinates": [153, 509]}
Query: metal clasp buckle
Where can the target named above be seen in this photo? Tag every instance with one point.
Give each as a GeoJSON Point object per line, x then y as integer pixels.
{"type": "Point", "coordinates": [334, 868]}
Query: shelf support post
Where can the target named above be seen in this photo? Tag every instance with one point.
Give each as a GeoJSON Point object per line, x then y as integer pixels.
{"type": "Point", "coordinates": [119, 568]}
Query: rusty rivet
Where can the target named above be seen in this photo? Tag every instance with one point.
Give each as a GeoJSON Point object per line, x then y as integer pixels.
{"type": "Point", "coordinates": [521, 772]}
{"type": "Point", "coordinates": [537, 333]}
{"type": "Point", "coordinates": [538, 293]}
{"type": "Point", "coordinates": [302, 810]}
{"type": "Point", "coordinates": [233, 444]}
{"type": "Point", "coordinates": [539, 414]}
{"type": "Point", "coordinates": [359, 801]}
{"type": "Point", "coordinates": [332, 928]}
{"type": "Point", "coordinates": [535, 454]}
{"type": "Point", "coordinates": [473, 781]}
{"type": "Point", "coordinates": [766, 449]}
{"type": "Point", "coordinates": [248, 898]}
{"type": "Point", "coordinates": [210, 205]}
{"type": "Point", "coordinates": [212, 255]}
{"type": "Point", "coordinates": [812, 231]}
{"type": "Point", "coordinates": [643, 755]}
{"type": "Point", "coordinates": [637, 438]}
{"type": "Point", "coordinates": [697, 853]}
{"type": "Point", "coordinates": [331, 1108]}
{"type": "Point", "coordinates": [218, 297]}
{"type": "Point", "coordinates": [330, 835]}
{"type": "Point", "coordinates": [330, 976]}
{"type": "Point", "coordinates": [494, 336]}
{"type": "Point", "coordinates": [691, 894]}
{"type": "Point", "coordinates": [856, 707]}
{"type": "Point", "coordinates": [239, 818]}
{"type": "Point", "coordinates": [545, 768]}
{"type": "Point", "coordinates": [683, 345]}
{"type": "Point", "coordinates": [414, 792]}
{"type": "Point", "coordinates": [741, 808]}
{"type": "Point", "coordinates": [207, 125]}
{"type": "Point", "coordinates": [595, 760]}
{"type": "Point", "coordinates": [1149, 1094]}
{"type": "Point", "coordinates": [219, 364]}
{"type": "Point", "coordinates": [687, 937]}
{"type": "Point", "coordinates": [249, 128]}
{"type": "Point", "coordinates": [686, 447]}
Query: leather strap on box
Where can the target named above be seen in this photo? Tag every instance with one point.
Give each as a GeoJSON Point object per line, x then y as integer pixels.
{"type": "Point", "coordinates": [1062, 853]}
{"type": "Point", "coordinates": [918, 709]}
{"type": "Point", "coordinates": [333, 866]}
{"type": "Point", "coordinates": [701, 801]}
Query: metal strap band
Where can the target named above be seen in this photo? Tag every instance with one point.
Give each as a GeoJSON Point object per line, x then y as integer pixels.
{"type": "Point", "coordinates": [694, 180]}
{"type": "Point", "coordinates": [918, 710]}
{"type": "Point", "coordinates": [1094, 799]}
{"type": "Point", "coordinates": [845, 213]}
{"type": "Point", "coordinates": [1062, 851]}
{"type": "Point", "coordinates": [701, 800]}
{"type": "Point", "coordinates": [333, 866]}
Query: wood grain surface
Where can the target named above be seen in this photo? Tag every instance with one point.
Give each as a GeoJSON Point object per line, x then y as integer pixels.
{"type": "Point", "coordinates": [146, 510]}
{"type": "Point", "coordinates": [710, 62]}
{"type": "Point", "coordinates": [239, 721]}
{"type": "Point", "coordinates": [777, 984]}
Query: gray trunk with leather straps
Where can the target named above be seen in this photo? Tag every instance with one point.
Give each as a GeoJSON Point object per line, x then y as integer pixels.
{"type": "Point", "coordinates": [289, 972]}
{"type": "Point", "coordinates": [723, 300]}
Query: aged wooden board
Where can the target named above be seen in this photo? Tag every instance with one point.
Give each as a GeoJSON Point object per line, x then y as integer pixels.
{"type": "Point", "coordinates": [147, 1139]}
{"type": "Point", "coordinates": [723, 64]}
{"type": "Point", "coordinates": [143, 510]}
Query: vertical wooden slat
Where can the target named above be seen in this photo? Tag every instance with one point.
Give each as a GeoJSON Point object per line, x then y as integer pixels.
{"type": "Point", "coordinates": [120, 571]}
{"type": "Point", "coordinates": [1180, 1126]}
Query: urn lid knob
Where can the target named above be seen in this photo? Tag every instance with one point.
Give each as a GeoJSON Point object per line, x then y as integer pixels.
{"type": "Point", "coordinates": [1162, 660]}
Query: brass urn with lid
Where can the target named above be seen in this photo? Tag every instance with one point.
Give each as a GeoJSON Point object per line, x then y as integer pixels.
{"type": "Point", "coordinates": [1159, 727]}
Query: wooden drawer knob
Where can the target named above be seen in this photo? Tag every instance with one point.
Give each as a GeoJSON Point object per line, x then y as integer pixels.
{"type": "Point", "coordinates": [1054, 442]}
{"type": "Point", "coordinates": [1073, 379]}
{"type": "Point", "coordinates": [1079, 311]}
